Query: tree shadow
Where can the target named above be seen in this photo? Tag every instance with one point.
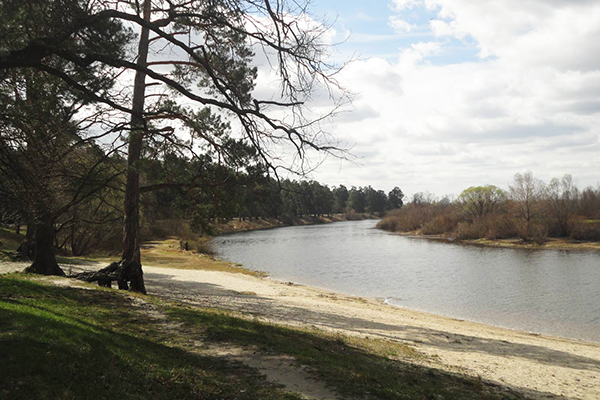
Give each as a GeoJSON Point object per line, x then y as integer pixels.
{"type": "Point", "coordinates": [216, 296]}
{"type": "Point", "coordinates": [48, 352]}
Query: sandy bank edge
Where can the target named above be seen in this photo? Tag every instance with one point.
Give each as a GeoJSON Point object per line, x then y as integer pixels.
{"type": "Point", "coordinates": [529, 362]}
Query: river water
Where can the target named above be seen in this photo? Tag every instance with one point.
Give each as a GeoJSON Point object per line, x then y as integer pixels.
{"type": "Point", "coordinates": [547, 291]}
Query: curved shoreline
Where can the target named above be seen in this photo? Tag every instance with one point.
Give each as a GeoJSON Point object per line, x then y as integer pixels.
{"type": "Point", "coordinates": [525, 361]}
{"type": "Point", "coordinates": [538, 365]}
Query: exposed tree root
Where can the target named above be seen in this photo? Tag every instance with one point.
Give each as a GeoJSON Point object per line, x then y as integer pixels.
{"type": "Point", "coordinates": [127, 274]}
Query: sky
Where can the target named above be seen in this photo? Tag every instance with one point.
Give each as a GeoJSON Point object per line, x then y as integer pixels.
{"type": "Point", "coordinates": [450, 94]}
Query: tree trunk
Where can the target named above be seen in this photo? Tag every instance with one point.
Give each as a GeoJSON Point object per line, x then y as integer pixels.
{"type": "Point", "coordinates": [131, 261]}
{"type": "Point", "coordinates": [44, 262]}
{"type": "Point", "coordinates": [26, 249]}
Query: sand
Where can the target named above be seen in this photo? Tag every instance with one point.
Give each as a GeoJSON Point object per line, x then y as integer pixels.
{"type": "Point", "coordinates": [532, 363]}
{"type": "Point", "coordinates": [538, 365]}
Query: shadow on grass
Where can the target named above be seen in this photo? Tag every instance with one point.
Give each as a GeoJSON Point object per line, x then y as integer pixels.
{"type": "Point", "coordinates": [72, 343]}
{"type": "Point", "coordinates": [354, 372]}
{"type": "Point", "coordinates": [214, 296]}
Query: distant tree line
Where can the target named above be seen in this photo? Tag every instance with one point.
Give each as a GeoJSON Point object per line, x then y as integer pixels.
{"type": "Point", "coordinates": [216, 191]}
{"type": "Point", "coordinates": [228, 192]}
{"type": "Point", "coordinates": [529, 209]}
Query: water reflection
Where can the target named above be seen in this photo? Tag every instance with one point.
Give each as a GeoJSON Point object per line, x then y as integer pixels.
{"type": "Point", "coordinates": [556, 292]}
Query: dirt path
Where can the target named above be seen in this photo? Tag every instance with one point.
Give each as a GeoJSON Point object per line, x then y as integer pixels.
{"type": "Point", "coordinates": [279, 369]}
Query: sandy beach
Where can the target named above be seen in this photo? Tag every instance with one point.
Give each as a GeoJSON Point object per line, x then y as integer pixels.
{"type": "Point", "coordinates": [537, 365]}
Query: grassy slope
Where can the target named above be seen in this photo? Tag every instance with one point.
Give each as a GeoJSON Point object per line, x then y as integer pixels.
{"type": "Point", "coordinates": [61, 342]}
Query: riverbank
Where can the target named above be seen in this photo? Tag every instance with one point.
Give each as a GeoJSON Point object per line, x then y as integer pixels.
{"type": "Point", "coordinates": [62, 338]}
{"type": "Point", "coordinates": [513, 243]}
{"type": "Point", "coordinates": [539, 366]}
{"type": "Point", "coordinates": [536, 366]}
{"type": "Point", "coordinates": [237, 225]}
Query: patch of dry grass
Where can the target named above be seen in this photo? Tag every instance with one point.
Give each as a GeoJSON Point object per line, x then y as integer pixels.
{"type": "Point", "coordinates": [167, 254]}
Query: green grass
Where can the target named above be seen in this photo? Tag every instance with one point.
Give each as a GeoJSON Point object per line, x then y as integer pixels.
{"type": "Point", "coordinates": [9, 239]}
{"type": "Point", "coordinates": [74, 343]}
{"type": "Point", "coordinates": [65, 343]}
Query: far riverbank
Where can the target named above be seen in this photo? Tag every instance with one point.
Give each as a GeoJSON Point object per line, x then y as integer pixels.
{"type": "Point", "coordinates": [512, 243]}
{"type": "Point", "coordinates": [253, 224]}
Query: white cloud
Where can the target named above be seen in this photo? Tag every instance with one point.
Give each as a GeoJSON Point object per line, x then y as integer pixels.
{"type": "Point", "coordinates": [398, 24]}
{"type": "Point", "coordinates": [411, 56]}
{"type": "Point", "coordinates": [534, 33]}
{"type": "Point", "coordinates": [529, 101]}
{"type": "Point", "coordinates": [400, 5]}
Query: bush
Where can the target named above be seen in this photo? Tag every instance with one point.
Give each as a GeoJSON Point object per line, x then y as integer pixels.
{"type": "Point", "coordinates": [469, 231]}
{"type": "Point", "coordinates": [161, 229]}
{"type": "Point", "coordinates": [586, 230]}
{"type": "Point", "coordinates": [201, 245]}
{"type": "Point", "coordinates": [387, 224]}
{"type": "Point", "coordinates": [500, 227]}
{"type": "Point", "coordinates": [441, 224]}
{"type": "Point", "coordinates": [534, 232]}
{"type": "Point", "coordinates": [204, 246]}
{"type": "Point", "coordinates": [287, 219]}
{"type": "Point", "coordinates": [354, 216]}
{"type": "Point", "coordinates": [398, 223]}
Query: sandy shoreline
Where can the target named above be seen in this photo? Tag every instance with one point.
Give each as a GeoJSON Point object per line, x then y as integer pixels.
{"type": "Point", "coordinates": [538, 365]}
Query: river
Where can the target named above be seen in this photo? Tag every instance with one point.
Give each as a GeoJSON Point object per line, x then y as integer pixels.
{"type": "Point", "coordinates": [546, 291]}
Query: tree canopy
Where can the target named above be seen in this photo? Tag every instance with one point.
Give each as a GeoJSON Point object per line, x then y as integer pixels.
{"type": "Point", "coordinates": [193, 71]}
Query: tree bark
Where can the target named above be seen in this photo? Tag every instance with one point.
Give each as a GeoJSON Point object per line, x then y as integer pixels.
{"type": "Point", "coordinates": [131, 260]}
{"type": "Point", "coordinates": [128, 271]}
{"type": "Point", "coordinates": [26, 249]}
{"type": "Point", "coordinates": [44, 262]}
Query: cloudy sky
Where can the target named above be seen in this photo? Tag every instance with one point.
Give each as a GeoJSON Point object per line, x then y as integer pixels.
{"type": "Point", "coordinates": [456, 93]}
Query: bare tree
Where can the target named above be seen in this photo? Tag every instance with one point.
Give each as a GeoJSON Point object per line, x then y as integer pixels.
{"type": "Point", "coordinates": [527, 193]}
{"type": "Point", "coordinates": [562, 200]}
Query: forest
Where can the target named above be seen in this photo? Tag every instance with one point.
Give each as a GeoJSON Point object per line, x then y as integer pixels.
{"type": "Point", "coordinates": [530, 210]}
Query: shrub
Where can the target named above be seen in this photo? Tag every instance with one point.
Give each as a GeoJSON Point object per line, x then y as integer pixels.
{"type": "Point", "coordinates": [161, 229]}
{"type": "Point", "coordinates": [533, 232]}
{"type": "Point", "coordinates": [500, 227]}
{"type": "Point", "coordinates": [399, 223]}
{"type": "Point", "coordinates": [354, 216]}
{"type": "Point", "coordinates": [469, 231]}
{"type": "Point", "coordinates": [586, 230]}
{"type": "Point", "coordinates": [387, 224]}
{"type": "Point", "coordinates": [287, 219]}
{"type": "Point", "coordinates": [204, 246]}
{"type": "Point", "coordinates": [441, 224]}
